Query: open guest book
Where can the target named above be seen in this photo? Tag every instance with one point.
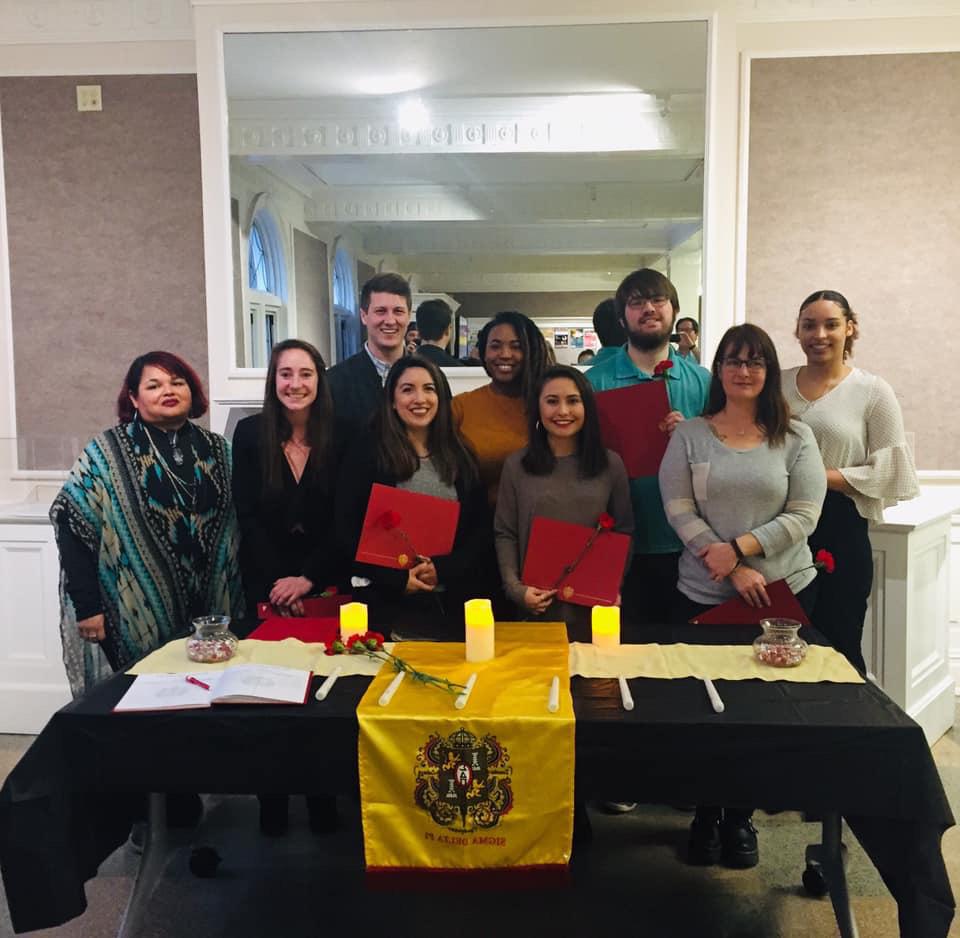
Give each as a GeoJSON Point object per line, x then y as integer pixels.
{"type": "Point", "coordinates": [243, 683]}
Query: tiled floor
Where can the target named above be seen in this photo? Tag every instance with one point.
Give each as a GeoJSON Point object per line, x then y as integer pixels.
{"type": "Point", "coordinates": [306, 885]}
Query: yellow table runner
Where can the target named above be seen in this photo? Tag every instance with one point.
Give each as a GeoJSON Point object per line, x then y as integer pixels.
{"type": "Point", "coordinates": [718, 662]}
{"type": "Point", "coordinates": [289, 653]}
{"type": "Point", "coordinates": [488, 786]}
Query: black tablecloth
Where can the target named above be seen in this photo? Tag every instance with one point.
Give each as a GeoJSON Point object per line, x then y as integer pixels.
{"type": "Point", "coordinates": [814, 747]}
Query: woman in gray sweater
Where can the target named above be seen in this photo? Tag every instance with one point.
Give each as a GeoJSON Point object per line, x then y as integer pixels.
{"type": "Point", "coordinates": [564, 474]}
{"type": "Point", "coordinates": [742, 486]}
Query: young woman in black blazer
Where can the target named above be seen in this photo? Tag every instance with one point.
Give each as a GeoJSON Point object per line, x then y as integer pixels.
{"type": "Point", "coordinates": [413, 444]}
{"type": "Point", "coordinates": [282, 468]}
{"type": "Point", "coordinates": [282, 474]}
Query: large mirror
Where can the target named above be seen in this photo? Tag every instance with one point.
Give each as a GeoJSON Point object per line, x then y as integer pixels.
{"type": "Point", "coordinates": [524, 168]}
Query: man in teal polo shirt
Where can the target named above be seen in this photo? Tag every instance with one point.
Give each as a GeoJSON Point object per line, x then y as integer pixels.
{"type": "Point", "coordinates": [647, 306]}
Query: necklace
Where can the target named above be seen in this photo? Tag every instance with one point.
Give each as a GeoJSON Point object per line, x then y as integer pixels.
{"type": "Point", "coordinates": [184, 491]}
{"type": "Point", "coordinates": [177, 452]}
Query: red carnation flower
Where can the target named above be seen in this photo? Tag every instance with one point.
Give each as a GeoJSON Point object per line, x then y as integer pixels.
{"type": "Point", "coordinates": [389, 520]}
{"type": "Point", "coordinates": [375, 637]}
{"type": "Point", "coordinates": [824, 561]}
{"type": "Point", "coordinates": [662, 367]}
{"type": "Point", "coordinates": [352, 640]}
{"type": "Point", "coordinates": [606, 522]}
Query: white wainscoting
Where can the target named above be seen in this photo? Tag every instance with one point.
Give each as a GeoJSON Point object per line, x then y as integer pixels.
{"type": "Point", "coordinates": [33, 684]}
{"type": "Point", "coordinates": [910, 639]}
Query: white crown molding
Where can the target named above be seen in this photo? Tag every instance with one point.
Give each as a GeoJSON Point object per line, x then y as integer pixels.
{"type": "Point", "coordinates": [773, 11]}
{"type": "Point", "coordinates": [545, 203]}
{"type": "Point", "coordinates": [558, 124]}
{"type": "Point", "coordinates": [63, 21]}
{"type": "Point", "coordinates": [473, 238]}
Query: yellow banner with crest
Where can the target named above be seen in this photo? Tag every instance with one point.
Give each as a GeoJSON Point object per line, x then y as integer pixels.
{"type": "Point", "coordinates": [486, 787]}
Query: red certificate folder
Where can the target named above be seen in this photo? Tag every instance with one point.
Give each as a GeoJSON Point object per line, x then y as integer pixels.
{"type": "Point", "coordinates": [315, 606]}
{"type": "Point", "coordinates": [400, 525]}
{"type": "Point", "coordinates": [305, 628]}
{"type": "Point", "coordinates": [783, 605]}
{"type": "Point", "coordinates": [630, 425]}
{"type": "Point", "coordinates": [596, 579]}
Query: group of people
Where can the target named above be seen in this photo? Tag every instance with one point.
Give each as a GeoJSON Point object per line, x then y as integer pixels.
{"type": "Point", "coordinates": [158, 523]}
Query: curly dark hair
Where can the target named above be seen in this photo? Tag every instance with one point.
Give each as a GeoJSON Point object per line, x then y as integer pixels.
{"type": "Point", "coordinates": [536, 356]}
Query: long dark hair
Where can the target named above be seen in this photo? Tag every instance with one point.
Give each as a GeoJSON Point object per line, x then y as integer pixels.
{"type": "Point", "coordinates": [848, 314]}
{"type": "Point", "coordinates": [536, 357]}
{"type": "Point", "coordinates": [172, 365]}
{"type": "Point", "coordinates": [275, 428]}
{"type": "Point", "coordinates": [539, 460]}
{"type": "Point", "coordinates": [449, 452]}
{"type": "Point", "coordinates": [773, 415]}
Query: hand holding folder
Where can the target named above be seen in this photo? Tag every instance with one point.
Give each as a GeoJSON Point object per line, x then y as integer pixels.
{"type": "Point", "coordinates": [783, 605]}
{"type": "Point", "coordinates": [400, 527]}
{"type": "Point", "coordinates": [630, 421]}
{"type": "Point", "coordinates": [597, 574]}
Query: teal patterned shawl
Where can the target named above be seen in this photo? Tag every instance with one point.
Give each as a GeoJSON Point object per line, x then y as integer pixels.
{"type": "Point", "coordinates": [158, 564]}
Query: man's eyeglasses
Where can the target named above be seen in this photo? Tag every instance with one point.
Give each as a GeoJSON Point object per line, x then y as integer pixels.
{"type": "Point", "coordinates": [753, 364]}
{"type": "Point", "coordinates": [636, 301]}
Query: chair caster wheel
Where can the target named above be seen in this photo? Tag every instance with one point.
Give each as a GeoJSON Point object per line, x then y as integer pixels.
{"type": "Point", "coordinates": [814, 882]}
{"type": "Point", "coordinates": [204, 862]}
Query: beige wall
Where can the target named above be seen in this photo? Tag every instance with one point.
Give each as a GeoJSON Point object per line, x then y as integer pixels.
{"type": "Point", "coordinates": [853, 186]}
{"type": "Point", "coordinates": [105, 240]}
{"type": "Point", "coordinates": [536, 305]}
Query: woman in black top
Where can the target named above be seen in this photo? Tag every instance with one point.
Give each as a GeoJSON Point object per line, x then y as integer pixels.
{"type": "Point", "coordinates": [413, 444]}
{"type": "Point", "coordinates": [281, 483]}
{"type": "Point", "coordinates": [281, 472]}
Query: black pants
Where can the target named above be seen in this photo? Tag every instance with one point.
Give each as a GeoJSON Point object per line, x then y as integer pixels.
{"type": "Point", "coordinates": [650, 589]}
{"type": "Point", "coordinates": [841, 604]}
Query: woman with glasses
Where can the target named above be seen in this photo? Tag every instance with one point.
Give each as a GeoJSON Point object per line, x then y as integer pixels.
{"type": "Point", "coordinates": [858, 426]}
{"type": "Point", "coordinates": [742, 486]}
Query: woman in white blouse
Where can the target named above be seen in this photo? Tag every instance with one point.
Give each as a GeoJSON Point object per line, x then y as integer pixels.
{"type": "Point", "coordinates": [857, 422]}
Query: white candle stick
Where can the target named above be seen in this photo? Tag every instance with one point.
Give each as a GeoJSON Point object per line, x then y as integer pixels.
{"type": "Point", "coordinates": [625, 694]}
{"type": "Point", "coordinates": [461, 701]}
{"type": "Point", "coordinates": [553, 704]}
{"type": "Point", "coordinates": [715, 700]}
{"type": "Point", "coordinates": [327, 685]}
{"type": "Point", "coordinates": [387, 695]}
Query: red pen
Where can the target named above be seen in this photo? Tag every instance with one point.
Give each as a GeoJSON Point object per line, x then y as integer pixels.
{"type": "Point", "coordinates": [192, 680]}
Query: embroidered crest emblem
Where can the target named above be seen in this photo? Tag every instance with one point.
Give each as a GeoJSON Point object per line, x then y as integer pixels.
{"type": "Point", "coordinates": [462, 782]}
{"type": "Point", "coordinates": [567, 592]}
{"type": "Point", "coordinates": [403, 559]}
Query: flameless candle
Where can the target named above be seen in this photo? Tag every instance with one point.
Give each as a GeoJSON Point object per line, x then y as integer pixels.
{"type": "Point", "coordinates": [353, 620]}
{"type": "Point", "coordinates": [478, 622]}
{"type": "Point", "coordinates": [606, 626]}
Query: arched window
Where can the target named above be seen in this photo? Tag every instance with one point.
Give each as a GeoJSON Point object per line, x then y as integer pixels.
{"type": "Point", "coordinates": [345, 304]}
{"type": "Point", "coordinates": [267, 286]}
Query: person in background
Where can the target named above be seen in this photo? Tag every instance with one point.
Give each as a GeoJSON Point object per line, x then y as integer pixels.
{"type": "Point", "coordinates": [688, 335]}
{"type": "Point", "coordinates": [493, 418]}
{"type": "Point", "coordinates": [411, 341]}
{"type": "Point", "coordinates": [435, 321]}
{"type": "Point", "coordinates": [356, 384]}
{"type": "Point", "coordinates": [586, 357]}
{"type": "Point", "coordinates": [856, 420]}
{"type": "Point", "coordinates": [647, 305]}
{"type": "Point", "coordinates": [284, 498]}
{"type": "Point", "coordinates": [414, 445]}
{"type": "Point", "coordinates": [743, 486]}
{"type": "Point", "coordinates": [564, 473]}
{"type": "Point", "coordinates": [609, 329]}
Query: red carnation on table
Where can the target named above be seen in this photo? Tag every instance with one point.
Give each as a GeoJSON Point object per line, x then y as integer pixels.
{"type": "Point", "coordinates": [661, 369]}
{"type": "Point", "coordinates": [824, 561]}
